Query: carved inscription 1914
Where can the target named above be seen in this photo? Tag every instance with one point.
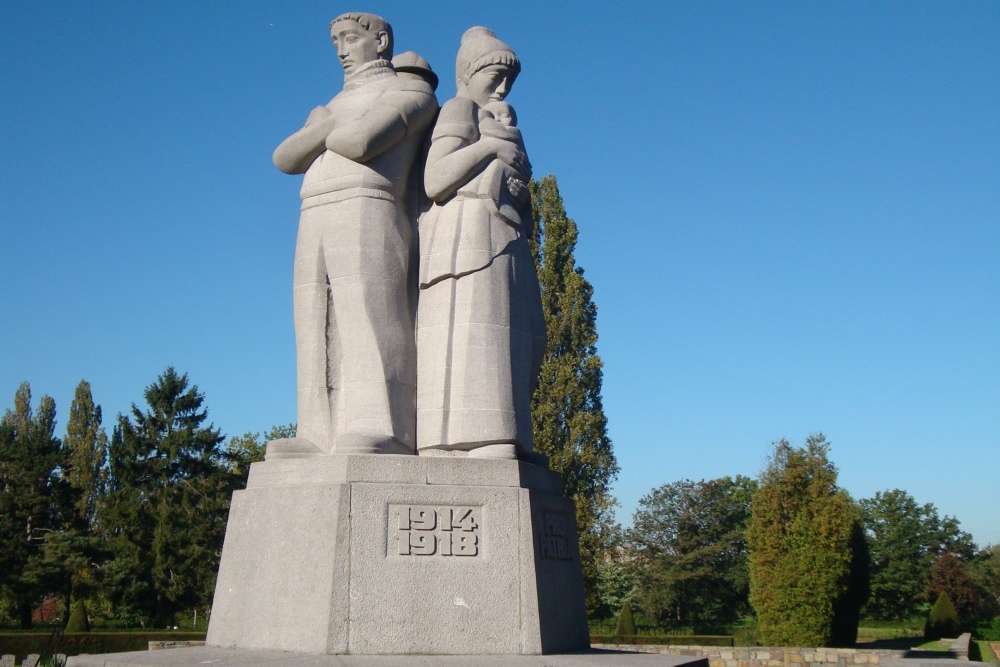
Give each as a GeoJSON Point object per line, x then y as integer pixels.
{"type": "Point", "coordinates": [435, 531]}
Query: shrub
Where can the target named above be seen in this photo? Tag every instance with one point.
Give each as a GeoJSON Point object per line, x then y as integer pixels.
{"type": "Point", "coordinates": [626, 624]}
{"type": "Point", "coordinates": [78, 621]}
{"type": "Point", "coordinates": [664, 640]}
{"type": "Point", "coordinates": [943, 620]}
{"type": "Point", "coordinates": [989, 630]}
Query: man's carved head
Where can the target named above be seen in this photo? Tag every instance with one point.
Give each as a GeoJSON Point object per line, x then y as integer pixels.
{"type": "Point", "coordinates": [360, 38]}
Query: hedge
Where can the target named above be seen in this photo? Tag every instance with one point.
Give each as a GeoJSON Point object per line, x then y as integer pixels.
{"type": "Point", "coordinates": [74, 643]}
{"type": "Point", "coordinates": [665, 640]}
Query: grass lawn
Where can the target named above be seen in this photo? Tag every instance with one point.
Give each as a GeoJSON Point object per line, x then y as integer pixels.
{"type": "Point", "coordinates": [935, 646]}
{"type": "Point", "coordinates": [985, 654]}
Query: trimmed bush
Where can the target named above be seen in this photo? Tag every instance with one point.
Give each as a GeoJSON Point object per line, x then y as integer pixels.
{"type": "Point", "coordinates": [664, 640]}
{"type": "Point", "coordinates": [943, 620]}
{"type": "Point", "coordinates": [23, 643]}
{"type": "Point", "coordinates": [626, 624]}
{"type": "Point", "coordinates": [78, 621]}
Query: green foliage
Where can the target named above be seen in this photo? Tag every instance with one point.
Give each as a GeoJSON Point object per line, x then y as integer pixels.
{"type": "Point", "coordinates": [21, 644]}
{"type": "Point", "coordinates": [807, 578]}
{"type": "Point", "coordinates": [661, 639]}
{"type": "Point", "coordinates": [242, 450]}
{"type": "Point", "coordinates": [989, 630]}
{"type": "Point", "coordinates": [616, 579]}
{"type": "Point", "coordinates": [626, 624]}
{"type": "Point", "coordinates": [86, 444]}
{"type": "Point", "coordinates": [78, 619]}
{"type": "Point", "coordinates": [690, 551]}
{"type": "Point", "coordinates": [165, 514]}
{"type": "Point", "coordinates": [30, 456]}
{"type": "Point", "coordinates": [942, 620]}
{"type": "Point", "coordinates": [903, 537]}
{"type": "Point", "coordinates": [566, 409]}
{"type": "Point", "coordinates": [950, 577]}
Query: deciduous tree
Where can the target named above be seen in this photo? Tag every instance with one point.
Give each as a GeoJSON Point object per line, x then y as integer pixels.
{"type": "Point", "coordinates": [242, 450]}
{"type": "Point", "coordinates": [690, 551]}
{"type": "Point", "coordinates": [902, 537]}
{"type": "Point", "coordinates": [567, 411]}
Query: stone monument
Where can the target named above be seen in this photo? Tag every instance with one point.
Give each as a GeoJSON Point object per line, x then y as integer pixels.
{"type": "Point", "coordinates": [409, 515]}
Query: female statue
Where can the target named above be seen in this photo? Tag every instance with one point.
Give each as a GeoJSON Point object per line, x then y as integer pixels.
{"type": "Point", "coordinates": [480, 327]}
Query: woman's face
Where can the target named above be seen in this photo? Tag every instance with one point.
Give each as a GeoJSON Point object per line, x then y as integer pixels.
{"type": "Point", "coordinates": [491, 83]}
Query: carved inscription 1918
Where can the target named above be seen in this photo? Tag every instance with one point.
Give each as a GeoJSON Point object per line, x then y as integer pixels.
{"type": "Point", "coordinates": [429, 531]}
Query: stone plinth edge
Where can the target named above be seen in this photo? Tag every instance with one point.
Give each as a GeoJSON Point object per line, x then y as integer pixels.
{"type": "Point", "coordinates": [403, 469]}
{"type": "Point", "coordinates": [218, 657]}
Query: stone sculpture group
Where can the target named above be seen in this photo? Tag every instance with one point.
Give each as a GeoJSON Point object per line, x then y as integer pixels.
{"type": "Point", "coordinates": [410, 513]}
{"type": "Point", "coordinates": [449, 368]}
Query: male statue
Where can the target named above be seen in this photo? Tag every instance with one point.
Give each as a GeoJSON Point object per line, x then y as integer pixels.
{"type": "Point", "coordinates": [354, 330]}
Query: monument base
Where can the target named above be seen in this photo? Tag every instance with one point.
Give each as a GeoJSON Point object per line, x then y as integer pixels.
{"type": "Point", "coordinates": [393, 554]}
{"type": "Point", "coordinates": [219, 657]}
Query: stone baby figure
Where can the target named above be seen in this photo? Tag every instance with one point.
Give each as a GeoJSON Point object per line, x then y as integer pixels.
{"type": "Point", "coordinates": [480, 326]}
{"type": "Point", "coordinates": [498, 119]}
{"type": "Point", "coordinates": [354, 330]}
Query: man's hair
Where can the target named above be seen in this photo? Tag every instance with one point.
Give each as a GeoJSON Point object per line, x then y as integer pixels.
{"type": "Point", "coordinates": [373, 24]}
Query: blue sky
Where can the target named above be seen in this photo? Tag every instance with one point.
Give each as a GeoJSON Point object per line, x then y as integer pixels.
{"type": "Point", "coordinates": [790, 213]}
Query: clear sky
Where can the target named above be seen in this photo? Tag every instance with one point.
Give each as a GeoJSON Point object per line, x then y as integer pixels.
{"type": "Point", "coordinates": [790, 213]}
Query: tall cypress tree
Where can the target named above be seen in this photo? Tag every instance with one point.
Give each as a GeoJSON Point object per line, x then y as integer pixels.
{"type": "Point", "coordinates": [30, 456]}
{"type": "Point", "coordinates": [167, 505]}
{"type": "Point", "coordinates": [566, 410]}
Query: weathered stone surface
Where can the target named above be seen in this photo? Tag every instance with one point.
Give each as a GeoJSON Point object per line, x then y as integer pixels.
{"type": "Point", "coordinates": [352, 292]}
{"type": "Point", "coordinates": [480, 326]}
{"type": "Point", "coordinates": [6, 660]}
{"type": "Point", "coordinates": [423, 563]}
{"type": "Point", "coordinates": [218, 657]}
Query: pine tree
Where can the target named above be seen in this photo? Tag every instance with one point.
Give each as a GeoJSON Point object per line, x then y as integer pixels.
{"type": "Point", "coordinates": [566, 409]}
{"type": "Point", "coordinates": [808, 571]}
{"type": "Point", "coordinates": [168, 502]}
{"type": "Point", "coordinates": [29, 459]}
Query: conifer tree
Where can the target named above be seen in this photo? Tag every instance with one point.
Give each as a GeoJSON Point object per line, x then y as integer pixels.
{"type": "Point", "coordinates": [168, 502]}
{"type": "Point", "coordinates": [29, 459]}
{"type": "Point", "coordinates": [566, 409]}
{"type": "Point", "coordinates": [808, 571]}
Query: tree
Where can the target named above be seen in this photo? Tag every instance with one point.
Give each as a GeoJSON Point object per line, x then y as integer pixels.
{"type": "Point", "coordinates": [942, 621]}
{"type": "Point", "coordinates": [566, 409]}
{"type": "Point", "coordinates": [242, 450]}
{"type": "Point", "coordinates": [985, 572]}
{"type": "Point", "coordinates": [691, 553]}
{"type": "Point", "coordinates": [29, 460]}
{"type": "Point", "coordinates": [86, 444]}
{"type": "Point", "coordinates": [167, 505]}
{"type": "Point", "coordinates": [949, 576]}
{"type": "Point", "coordinates": [903, 537]}
{"type": "Point", "coordinates": [626, 624]}
{"type": "Point", "coordinates": [807, 568]}
{"type": "Point", "coordinates": [905, 540]}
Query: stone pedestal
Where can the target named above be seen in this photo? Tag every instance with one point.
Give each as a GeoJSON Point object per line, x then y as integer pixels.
{"type": "Point", "coordinates": [393, 554]}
